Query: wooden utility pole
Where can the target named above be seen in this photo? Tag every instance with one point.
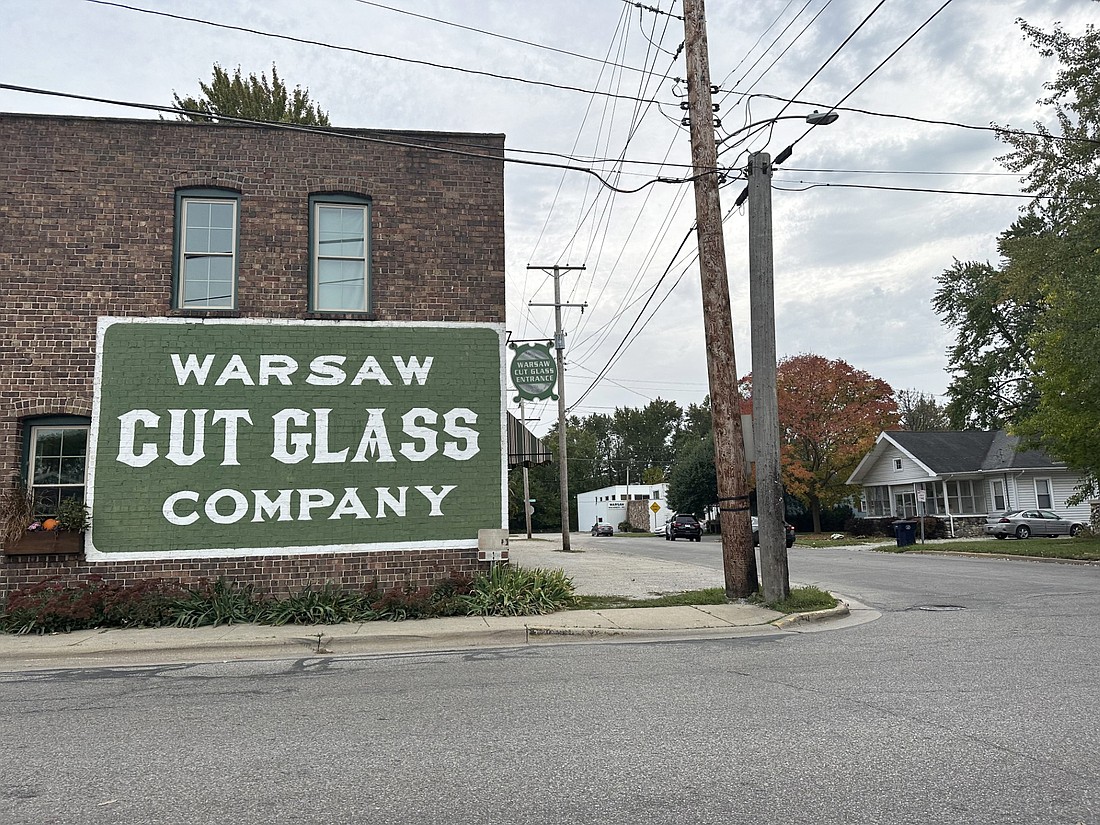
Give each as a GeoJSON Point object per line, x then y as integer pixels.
{"type": "Point", "coordinates": [774, 572]}
{"type": "Point", "coordinates": [738, 556]}
{"type": "Point", "coordinates": [559, 345]}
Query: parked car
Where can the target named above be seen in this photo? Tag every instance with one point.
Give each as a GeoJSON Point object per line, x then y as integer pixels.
{"type": "Point", "coordinates": [1026, 523]}
{"type": "Point", "coordinates": [602, 529]}
{"type": "Point", "coordinates": [683, 526]}
{"type": "Point", "coordinates": [756, 532]}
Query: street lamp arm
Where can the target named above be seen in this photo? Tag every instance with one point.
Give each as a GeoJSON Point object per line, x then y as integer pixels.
{"type": "Point", "coordinates": [815, 118]}
{"type": "Point", "coordinates": [756, 123]}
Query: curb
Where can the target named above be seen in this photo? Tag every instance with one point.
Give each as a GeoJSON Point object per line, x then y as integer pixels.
{"type": "Point", "coordinates": [791, 619]}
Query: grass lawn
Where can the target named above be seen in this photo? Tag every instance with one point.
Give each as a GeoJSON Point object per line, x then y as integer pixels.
{"type": "Point", "coordinates": [1080, 548]}
{"type": "Point", "coordinates": [817, 540]}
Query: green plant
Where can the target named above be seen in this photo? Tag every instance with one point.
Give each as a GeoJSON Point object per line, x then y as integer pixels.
{"type": "Point", "coordinates": [326, 605]}
{"type": "Point", "coordinates": [72, 515]}
{"type": "Point", "coordinates": [215, 603]}
{"type": "Point", "coordinates": [514, 591]}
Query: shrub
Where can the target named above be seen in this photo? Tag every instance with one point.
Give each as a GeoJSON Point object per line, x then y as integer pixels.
{"type": "Point", "coordinates": [215, 603]}
{"type": "Point", "coordinates": [514, 591]}
{"type": "Point", "coordinates": [147, 603]}
{"type": "Point", "coordinates": [53, 606]}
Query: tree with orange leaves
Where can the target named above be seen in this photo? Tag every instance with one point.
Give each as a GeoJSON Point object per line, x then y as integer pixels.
{"type": "Point", "coordinates": [829, 416]}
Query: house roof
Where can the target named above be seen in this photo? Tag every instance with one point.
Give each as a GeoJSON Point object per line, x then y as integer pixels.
{"type": "Point", "coordinates": [956, 451]}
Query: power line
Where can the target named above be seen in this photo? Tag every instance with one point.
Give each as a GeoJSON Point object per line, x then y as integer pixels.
{"type": "Point", "coordinates": [824, 184]}
{"type": "Point", "coordinates": [897, 172]}
{"type": "Point", "coordinates": [364, 52]}
{"type": "Point", "coordinates": [931, 121]}
{"type": "Point", "coordinates": [884, 61]}
{"type": "Point", "coordinates": [500, 36]}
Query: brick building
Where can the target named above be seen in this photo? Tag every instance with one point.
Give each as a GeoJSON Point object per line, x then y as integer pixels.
{"type": "Point", "coordinates": [257, 234]}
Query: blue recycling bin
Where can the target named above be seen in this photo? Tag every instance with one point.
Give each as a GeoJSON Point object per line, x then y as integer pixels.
{"type": "Point", "coordinates": [905, 532]}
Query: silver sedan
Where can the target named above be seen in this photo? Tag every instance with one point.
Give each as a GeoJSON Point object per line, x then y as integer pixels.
{"type": "Point", "coordinates": [1026, 523]}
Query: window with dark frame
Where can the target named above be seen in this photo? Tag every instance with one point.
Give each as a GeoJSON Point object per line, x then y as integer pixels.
{"type": "Point", "coordinates": [206, 249]}
{"type": "Point", "coordinates": [340, 253]}
{"type": "Point", "coordinates": [57, 464]}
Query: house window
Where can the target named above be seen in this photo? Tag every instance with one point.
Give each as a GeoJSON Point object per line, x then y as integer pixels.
{"type": "Point", "coordinates": [206, 249]}
{"type": "Point", "coordinates": [997, 495]}
{"type": "Point", "coordinates": [964, 497]}
{"type": "Point", "coordinates": [1044, 498]}
{"type": "Point", "coordinates": [933, 498]}
{"type": "Point", "coordinates": [905, 504]}
{"type": "Point", "coordinates": [56, 461]}
{"type": "Point", "coordinates": [340, 253]}
{"type": "Point", "coordinates": [878, 501]}
{"type": "Point", "coordinates": [897, 465]}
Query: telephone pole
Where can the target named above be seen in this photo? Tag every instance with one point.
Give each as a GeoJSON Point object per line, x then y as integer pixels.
{"type": "Point", "coordinates": [738, 557]}
{"type": "Point", "coordinates": [559, 346]}
{"type": "Point", "coordinates": [775, 576]}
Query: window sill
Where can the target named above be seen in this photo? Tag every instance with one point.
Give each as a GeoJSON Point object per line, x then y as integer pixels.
{"type": "Point", "coordinates": [314, 315]}
{"type": "Point", "coordinates": [204, 313]}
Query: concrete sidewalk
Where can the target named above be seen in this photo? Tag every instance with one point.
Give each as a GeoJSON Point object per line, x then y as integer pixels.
{"type": "Point", "coordinates": [595, 569]}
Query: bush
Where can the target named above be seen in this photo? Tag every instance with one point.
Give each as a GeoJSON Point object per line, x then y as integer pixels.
{"type": "Point", "coordinates": [55, 606]}
{"type": "Point", "coordinates": [514, 591]}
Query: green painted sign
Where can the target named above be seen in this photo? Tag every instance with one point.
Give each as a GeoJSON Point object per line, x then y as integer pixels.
{"type": "Point", "coordinates": [236, 438]}
{"type": "Point", "coordinates": [534, 372]}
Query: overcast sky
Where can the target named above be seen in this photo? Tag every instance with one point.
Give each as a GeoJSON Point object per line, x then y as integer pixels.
{"type": "Point", "coordinates": [855, 267]}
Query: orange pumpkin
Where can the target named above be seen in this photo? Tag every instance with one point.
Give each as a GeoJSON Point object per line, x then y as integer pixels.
{"type": "Point", "coordinates": [50, 524]}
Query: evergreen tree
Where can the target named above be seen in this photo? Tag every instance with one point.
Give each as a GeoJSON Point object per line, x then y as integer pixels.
{"type": "Point", "coordinates": [254, 98]}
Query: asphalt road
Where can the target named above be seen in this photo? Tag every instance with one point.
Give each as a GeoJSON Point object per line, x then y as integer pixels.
{"type": "Point", "coordinates": [985, 714]}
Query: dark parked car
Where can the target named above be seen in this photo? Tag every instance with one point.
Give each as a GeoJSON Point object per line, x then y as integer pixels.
{"type": "Point", "coordinates": [602, 529]}
{"type": "Point", "coordinates": [756, 532]}
{"type": "Point", "coordinates": [683, 526]}
{"type": "Point", "coordinates": [1026, 523]}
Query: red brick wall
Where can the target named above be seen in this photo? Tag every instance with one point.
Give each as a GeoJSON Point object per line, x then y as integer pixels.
{"type": "Point", "coordinates": [87, 209]}
{"type": "Point", "coordinates": [274, 575]}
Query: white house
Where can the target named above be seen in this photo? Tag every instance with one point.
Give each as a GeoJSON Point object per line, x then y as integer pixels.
{"type": "Point", "coordinates": [647, 503]}
{"type": "Point", "coordinates": [961, 477]}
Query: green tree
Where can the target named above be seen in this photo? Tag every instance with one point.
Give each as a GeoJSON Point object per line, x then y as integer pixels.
{"type": "Point", "coordinates": [693, 483]}
{"type": "Point", "coordinates": [991, 361]}
{"type": "Point", "coordinates": [1062, 169]}
{"type": "Point", "coordinates": [645, 437]}
{"type": "Point", "coordinates": [254, 98]}
{"type": "Point", "coordinates": [920, 412]}
{"type": "Point", "coordinates": [1028, 330]}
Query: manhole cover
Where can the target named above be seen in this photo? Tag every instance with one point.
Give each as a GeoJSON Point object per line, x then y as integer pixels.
{"type": "Point", "coordinates": [937, 608]}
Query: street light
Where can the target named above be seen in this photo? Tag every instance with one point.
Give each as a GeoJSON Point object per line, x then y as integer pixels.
{"type": "Point", "coordinates": [774, 573]}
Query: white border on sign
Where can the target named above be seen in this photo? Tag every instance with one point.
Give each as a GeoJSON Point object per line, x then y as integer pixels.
{"type": "Point", "coordinates": [105, 322]}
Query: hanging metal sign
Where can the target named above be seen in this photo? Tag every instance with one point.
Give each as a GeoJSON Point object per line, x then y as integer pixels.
{"type": "Point", "coordinates": [534, 372]}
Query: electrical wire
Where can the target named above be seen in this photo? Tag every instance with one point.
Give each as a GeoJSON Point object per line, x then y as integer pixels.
{"type": "Point", "coordinates": [825, 184]}
{"type": "Point", "coordinates": [565, 52]}
{"type": "Point", "coordinates": [364, 52]}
